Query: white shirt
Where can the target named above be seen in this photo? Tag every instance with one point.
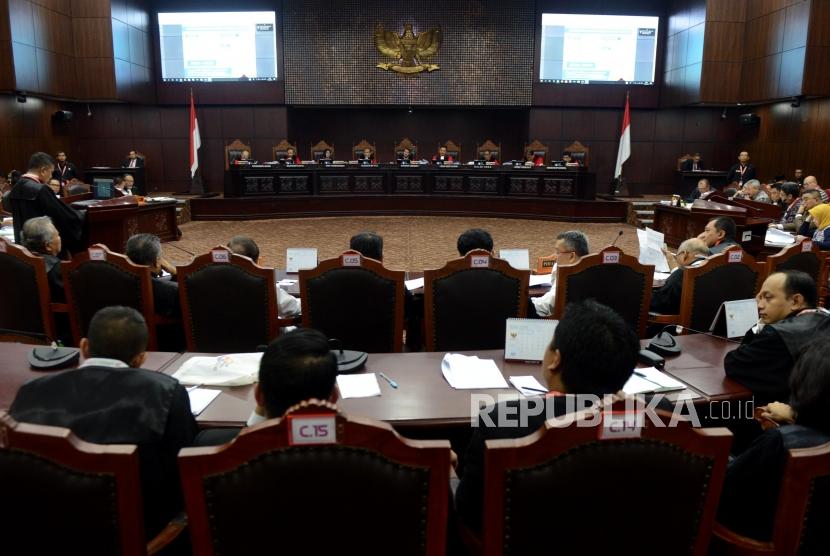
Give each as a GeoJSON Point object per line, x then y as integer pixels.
{"type": "Point", "coordinates": [287, 304]}
{"type": "Point", "coordinates": [104, 362]}
{"type": "Point", "coordinates": [544, 303]}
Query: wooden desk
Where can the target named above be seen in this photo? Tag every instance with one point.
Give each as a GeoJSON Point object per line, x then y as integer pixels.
{"type": "Point", "coordinates": [424, 400]}
{"type": "Point", "coordinates": [15, 370]}
{"type": "Point", "coordinates": [113, 221]}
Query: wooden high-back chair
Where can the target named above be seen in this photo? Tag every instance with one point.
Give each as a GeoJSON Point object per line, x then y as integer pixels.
{"type": "Point", "coordinates": [803, 255]}
{"type": "Point", "coordinates": [392, 488]}
{"type": "Point", "coordinates": [612, 278]}
{"type": "Point", "coordinates": [469, 299]}
{"type": "Point", "coordinates": [25, 312]}
{"type": "Point", "coordinates": [233, 152]}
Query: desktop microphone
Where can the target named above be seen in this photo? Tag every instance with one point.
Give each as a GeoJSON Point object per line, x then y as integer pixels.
{"type": "Point", "coordinates": [666, 345]}
{"type": "Point", "coordinates": [616, 238]}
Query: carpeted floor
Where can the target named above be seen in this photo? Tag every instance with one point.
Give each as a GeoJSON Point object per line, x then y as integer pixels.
{"type": "Point", "coordinates": [411, 243]}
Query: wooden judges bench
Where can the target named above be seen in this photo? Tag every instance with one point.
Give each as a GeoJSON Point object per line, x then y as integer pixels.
{"type": "Point", "coordinates": [423, 401]}
{"type": "Point", "coordinates": [751, 219]}
{"type": "Point", "coordinates": [391, 179]}
{"type": "Point", "coordinates": [101, 172]}
{"type": "Point", "coordinates": [113, 221]}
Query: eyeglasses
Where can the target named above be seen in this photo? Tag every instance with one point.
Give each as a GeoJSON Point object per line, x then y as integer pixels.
{"type": "Point", "coordinates": [558, 252]}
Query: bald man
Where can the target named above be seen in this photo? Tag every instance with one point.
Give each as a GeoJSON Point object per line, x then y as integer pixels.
{"type": "Point", "coordinates": [811, 184]}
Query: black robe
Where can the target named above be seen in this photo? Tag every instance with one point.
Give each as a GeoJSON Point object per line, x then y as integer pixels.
{"type": "Point", "coordinates": [30, 199]}
{"type": "Point", "coordinates": [108, 405]}
{"type": "Point", "coordinates": [763, 362]}
{"type": "Point", "coordinates": [666, 299]}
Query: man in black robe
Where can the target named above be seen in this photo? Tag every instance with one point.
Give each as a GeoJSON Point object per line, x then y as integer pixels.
{"type": "Point", "coordinates": [789, 322]}
{"type": "Point", "coordinates": [110, 400]}
{"type": "Point", "coordinates": [31, 197]}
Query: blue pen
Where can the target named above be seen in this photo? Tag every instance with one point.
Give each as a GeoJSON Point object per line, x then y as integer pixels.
{"type": "Point", "coordinates": [391, 382]}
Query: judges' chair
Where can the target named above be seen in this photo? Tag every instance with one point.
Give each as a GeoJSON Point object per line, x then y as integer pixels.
{"type": "Point", "coordinates": [317, 480]}
{"type": "Point", "coordinates": [467, 302]}
{"type": "Point", "coordinates": [728, 276]}
{"type": "Point", "coordinates": [355, 300]}
{"type": "Point", "coordinates": [229, 304]}
{"type": "Point", "coordinates": [280, 150]}
{"type": "Point", "coordinates": [318, 150]}
{"type": "Point", "coordinates": [802, 515]}
{"type": "Point", "coordinates": [357, 149]}
{"type": "Point", "coordinates": [673, 475]}
{"type": "Point", "coordinates": [405, 143]}
{"type": "Point", "coordinates": [98, 278]}
{"type": "Point", "coordinates": [453, 150]}
{"type": "Point", "coordinates": [488, 145]}
{"type": "Point", "coordinates": [62, 495]}
{"type": "Point", "coordinates": [25, 312]}
{"type": "Point", "coordinates": [682, 160]}
{"type": "Point", "coordinates": [612, 278]}
{"type": "Point", "coordinates": [233, 152]}
{"type": "Point", "coordinates": [803, 255]}
{"type": "Point", "coordinates": [579, 153]}
{"type": "Point", "coordinates": [537, 148]}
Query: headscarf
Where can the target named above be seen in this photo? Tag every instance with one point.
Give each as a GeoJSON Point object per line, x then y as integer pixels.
{"type": "Point", "coordinates": [821, 215]}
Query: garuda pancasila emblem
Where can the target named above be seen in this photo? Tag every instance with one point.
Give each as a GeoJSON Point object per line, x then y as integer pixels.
{"type": "Point", "coordinates": [408, 50]}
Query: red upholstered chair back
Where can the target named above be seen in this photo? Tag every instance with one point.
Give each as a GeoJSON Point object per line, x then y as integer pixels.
{"type": "Point", "coordinates": [596, 491]}
{"type": "Point", "coordinates": [62, 495]}
{"type": "Point", "coordinates": [317, 481]}
{"type": "Point", "coordinates": [27, 310]}
{"type": "Point", "coordinates": [467, 302]}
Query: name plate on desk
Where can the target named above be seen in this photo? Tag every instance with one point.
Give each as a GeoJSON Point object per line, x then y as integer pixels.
{"type": "Point", "coordinates": [312, 429]}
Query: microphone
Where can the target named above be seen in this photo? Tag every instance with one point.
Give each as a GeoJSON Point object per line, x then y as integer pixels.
{"type": "Point", "coordinates": [666, 345]}
{"type": "Point", "coordinates": [613, 243]}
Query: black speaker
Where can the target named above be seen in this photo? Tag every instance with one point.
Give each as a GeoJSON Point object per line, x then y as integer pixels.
{"type": "Point", "coordinates": [62, 116]}
{"type": "Point", "coordinates": [749, 119]}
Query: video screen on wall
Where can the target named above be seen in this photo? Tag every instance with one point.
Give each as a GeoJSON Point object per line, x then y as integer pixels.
{"type": "Point", "coordinates": [592, 49]}
{"type": "Point", "coordinates": [218, 46]}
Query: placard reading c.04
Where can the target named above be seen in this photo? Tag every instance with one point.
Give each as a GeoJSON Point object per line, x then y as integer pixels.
{"type": "Point", "coordinates": [479, 261]}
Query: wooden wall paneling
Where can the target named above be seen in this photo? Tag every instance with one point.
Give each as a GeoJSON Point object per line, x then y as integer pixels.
{"type": "Point", "coordinates": [120, 40]}
{"type": "Point", "coordinates": [238, 121]}
{"type": "Point", "coordinates": [816, 76]}
{"type": "Point", "coordinates": [819, 32]}
{"type": "Point", "coordinates": [91, 8]}
{"type": "Point", "coordinates": [726, 10]}
{"type": "Point", "coordinates": [722, 42]}
{"type": "Point", "coordinates": [93, 37]}
{"type": "Point", "coordinates": [25, 67]}
{"type": "Point", "coordinates": [21, 22]}
{"type": "Point", "coordinates": [694, 45]}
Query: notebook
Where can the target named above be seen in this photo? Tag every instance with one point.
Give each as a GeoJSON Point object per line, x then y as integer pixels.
{"type": "Point", "coordinates": [527, 339]}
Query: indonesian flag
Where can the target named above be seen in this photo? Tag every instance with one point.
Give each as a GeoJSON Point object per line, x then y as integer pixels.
{"type": "Point", "coordinates": [195, 140]}
{"type": "Point", "coordinates": [625, 141]}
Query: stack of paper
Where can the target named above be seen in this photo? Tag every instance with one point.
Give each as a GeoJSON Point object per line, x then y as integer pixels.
{"type": "Point", "coordinates": [358, 386]}
{"type": "Point", "coordinates": [464, 372]}
{"type": "Point", "coordinates": [200, 398]}
{"type": "Point", "coordinates": [237, 369]}
{"type": "Point", "coordinates": [651, 249]}
{"type": "Point", "coordinates": [778, 237]}
{"type": "Point", "coordinates": [651, 380]}
{"type": "Point", "coordinates": [528, 385]}
{"type": "Point", "coordinates": [414, 284]}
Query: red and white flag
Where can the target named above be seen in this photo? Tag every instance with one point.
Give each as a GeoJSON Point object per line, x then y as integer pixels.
{"type": "Point", "coordinates": [625, 141]}
{"type": "Point", "coordinates": [195, 140]}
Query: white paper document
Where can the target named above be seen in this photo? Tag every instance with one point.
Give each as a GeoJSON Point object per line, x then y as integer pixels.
{"type": "Point", "coordinates": [741, 315]}
{"type": "Point", "coordinates": [650, 379]}
{"type": "Point", "coordinates": [358, 386]}
{"type": "Point", "coordinates": [414, 284]}
{"type": "Point", "coordinates": [518, 258]}
{"type": "Point", "coordinates": [778, 237]}
{"type": "Point", "coordinates": [528, 385]}
{"type": "Point", "coordinates": [469, 372]}
{"type": "Point", "coordinates": [200, 398]}
{"type": "Point", "coordinates": [540, 279]}
{"type": "Point", "coordinates": [285, 282]}
{"type": "Point", "coordinates": [651, 249]}
{"type": "Point", "coordinates": [297, 259]}
{"type": "Point", "coordinates": [527, 339]}
{"type": "Point", "coordinates": [238, 369]}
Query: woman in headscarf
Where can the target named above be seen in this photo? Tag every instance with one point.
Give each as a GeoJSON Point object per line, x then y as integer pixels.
{"type": "Point", "coordinates": [821, 216]}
